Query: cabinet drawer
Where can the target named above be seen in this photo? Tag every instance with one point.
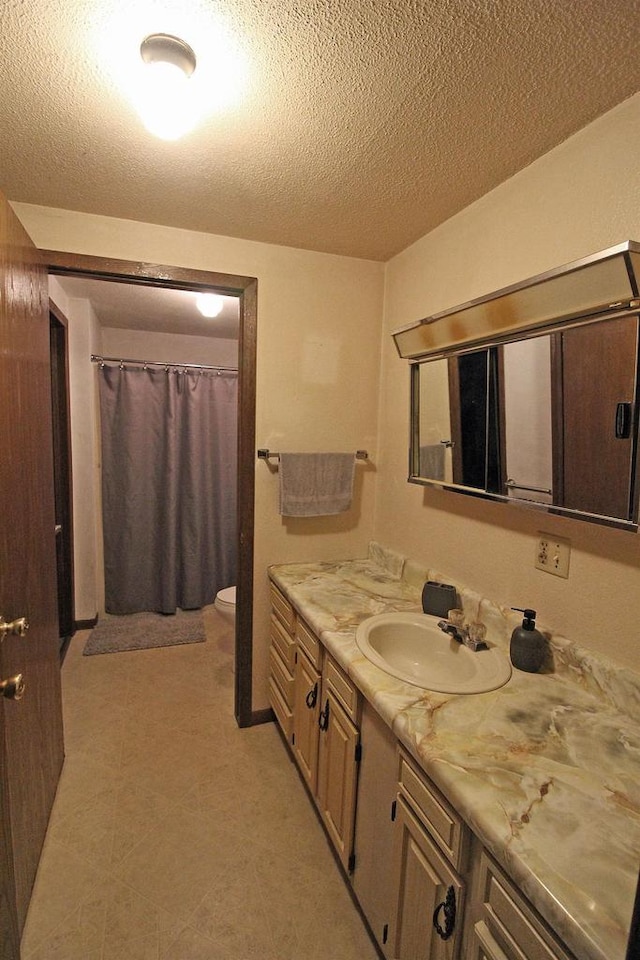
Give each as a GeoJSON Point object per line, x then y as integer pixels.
{"type": "Point", "coordinates": [283, 642]}
{"type": "Point", "coordinates": [283, 609]}
{"type": "Point", "coordinates": [342, 688]}
{"type": "Point", "coordinates": [309, 643]}
{"type": "Point", "coordinates": [282, 677]}
{"type": "Point", "coordinates": [511, 922]}
{"type": "Point", "coordinates": [284, 715]}
{"type": "Point", "coordinates": [444, 824]}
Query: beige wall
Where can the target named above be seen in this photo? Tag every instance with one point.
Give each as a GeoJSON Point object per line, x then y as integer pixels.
{"type": "Point", "coordinates": [319, 323]}
{"type": "Point", "coordinates": [580, 198]}
{"type": "Point", "coordinates": [168, 347]}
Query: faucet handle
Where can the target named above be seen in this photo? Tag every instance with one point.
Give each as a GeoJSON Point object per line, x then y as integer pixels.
{"type": "Point", "coordinates": [477, 631]}
{"type": "Point", "coordinates": [456, 617]}
{"type": "Point", "coordinates": [477, 634]}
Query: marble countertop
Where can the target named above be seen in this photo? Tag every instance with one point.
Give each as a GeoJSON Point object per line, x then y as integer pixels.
{"type": "Point", "coordinates": [544, 770]}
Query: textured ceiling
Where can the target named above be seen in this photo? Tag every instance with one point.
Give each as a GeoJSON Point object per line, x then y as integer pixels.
{"type": "Point", "coordinates": [347, 126]}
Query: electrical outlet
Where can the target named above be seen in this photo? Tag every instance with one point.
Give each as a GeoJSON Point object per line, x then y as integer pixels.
{"type": "Point", "coordinates": [552, 555]}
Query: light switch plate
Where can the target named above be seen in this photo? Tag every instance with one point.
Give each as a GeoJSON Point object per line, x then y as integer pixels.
{"type": "Point", "coordinates": [552, 555]}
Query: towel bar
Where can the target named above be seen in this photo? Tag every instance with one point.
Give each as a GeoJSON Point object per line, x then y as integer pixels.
{"type": "Point", "coordinates": [266, 454]}
{"type": "Point", "coordinates": [512, 485]}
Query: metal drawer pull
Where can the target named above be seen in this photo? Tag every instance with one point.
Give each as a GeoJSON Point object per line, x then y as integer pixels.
{"type": "Point", "coordinates": [323, 719]}
{"type": "Point", "coordinates": [312, 697]}
{"type": "Point", "coordinates": [448, 906]}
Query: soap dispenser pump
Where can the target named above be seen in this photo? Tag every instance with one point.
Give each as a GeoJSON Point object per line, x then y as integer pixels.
{"type": "Point", "coordinates": [528, 647]}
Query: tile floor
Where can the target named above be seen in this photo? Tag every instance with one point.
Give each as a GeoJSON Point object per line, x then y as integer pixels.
{"type": "Point", "coordinates": [175, 835]}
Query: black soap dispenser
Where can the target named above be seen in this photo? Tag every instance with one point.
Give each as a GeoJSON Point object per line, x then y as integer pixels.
{"type": "Point", "coordinates": [528, 647]}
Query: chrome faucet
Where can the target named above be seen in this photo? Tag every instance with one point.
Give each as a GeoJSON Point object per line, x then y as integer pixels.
{"type": "Point", "coordinates": [472, 635]}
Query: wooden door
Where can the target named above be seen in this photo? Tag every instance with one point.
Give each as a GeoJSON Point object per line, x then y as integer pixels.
{"type": "Point", "coordinates": [377, 789]}
{"type": "Point", "coordinates": [423, 880]}
{"type": "Point", "coordinates": [306, 707]}
{"type": "Point", "coordinates": [338, 776]}
{"type": "Point", "coordinates": [597, 372]}
{"type": "Point", "coordinates": [31, 728]}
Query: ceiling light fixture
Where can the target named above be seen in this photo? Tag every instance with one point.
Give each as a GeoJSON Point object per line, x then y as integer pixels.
{"type": "Point", "coordinates": [164, 103]}
{"type": "Point", "coordinates": [210, 304]}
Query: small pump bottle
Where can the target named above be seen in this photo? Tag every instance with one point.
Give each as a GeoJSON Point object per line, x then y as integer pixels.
{"type": "Point", "coordinates": [528, 648]}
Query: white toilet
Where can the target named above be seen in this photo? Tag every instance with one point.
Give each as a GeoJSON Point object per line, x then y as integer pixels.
{"type": "Point", "coordinates": [225, 603]}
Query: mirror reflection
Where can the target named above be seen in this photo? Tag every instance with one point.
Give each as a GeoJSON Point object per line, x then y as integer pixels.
{"type": "Point", "coordinates": [547, 420]}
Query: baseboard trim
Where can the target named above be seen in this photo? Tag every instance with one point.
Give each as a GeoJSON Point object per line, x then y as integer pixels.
{"type": "Point", "coordinates": [259, 716]}
{"type": "Point", "coordinates": [64, 646]}
{"type": "Point", "coordinates": [86, 624]}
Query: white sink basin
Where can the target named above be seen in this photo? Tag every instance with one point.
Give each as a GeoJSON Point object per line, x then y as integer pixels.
{"type": "Point", "coordinates": [411, 647]}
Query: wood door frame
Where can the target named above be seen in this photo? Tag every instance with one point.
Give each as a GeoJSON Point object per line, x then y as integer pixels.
{"type": "Point", "coordinates": [62, 263]}
{"type": "Point", "coordinates": [61, 422]}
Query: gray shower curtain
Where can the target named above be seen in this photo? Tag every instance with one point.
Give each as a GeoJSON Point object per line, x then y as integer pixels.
{"type": "Point", "coordinates": [168, 486]}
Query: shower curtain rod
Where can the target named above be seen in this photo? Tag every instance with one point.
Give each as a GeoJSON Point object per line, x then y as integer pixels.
{"type": "Point", "coordinates": [160, 363]}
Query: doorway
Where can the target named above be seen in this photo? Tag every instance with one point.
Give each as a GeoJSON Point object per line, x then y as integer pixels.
{"type": "Point", "coordinates": [63, 497]}
{"type": "Point", "coordinates": [245, 289]}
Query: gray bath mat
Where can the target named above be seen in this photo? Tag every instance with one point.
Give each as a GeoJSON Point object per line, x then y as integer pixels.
{"type": "Point", "coordinates": [143, 631]}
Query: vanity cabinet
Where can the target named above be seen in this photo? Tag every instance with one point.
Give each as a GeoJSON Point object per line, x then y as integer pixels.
{"type": "Point", "coordinates": [426, 885]}
{"type": "Point", "coordinates": [318, 710]}
{"type": "Point", "coordinates": [502, 924]}
{"type": "Point", "coordinates": [430, 851]}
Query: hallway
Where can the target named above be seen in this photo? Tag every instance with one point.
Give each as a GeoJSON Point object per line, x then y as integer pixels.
{"type": "Point", "coordinates": [175, 835]}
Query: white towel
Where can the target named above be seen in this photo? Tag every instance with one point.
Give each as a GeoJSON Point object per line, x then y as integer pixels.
{"type": "Point", "coordinates": [315, 484]}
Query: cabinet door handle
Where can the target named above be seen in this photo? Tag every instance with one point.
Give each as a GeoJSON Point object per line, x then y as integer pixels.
{"type": "Point", "coordinates": [323, 719]}
{"type": "Point", "coordinates": [312, 697]}
{"type": "Point", "coordinates": [623, 421]}
{"type": "Point", "coordinates": [448, 908]}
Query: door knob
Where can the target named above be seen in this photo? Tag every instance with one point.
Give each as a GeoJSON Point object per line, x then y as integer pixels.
{"type": "Point", "coordinates": [13, 688]}
{"type": "Point", "coordinates": [15, 628]}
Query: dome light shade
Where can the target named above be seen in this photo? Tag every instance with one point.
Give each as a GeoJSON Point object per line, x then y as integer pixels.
{"type": "Point", "coordinates": [164, 48]}
{"type": "Point", "coordinates": [163, 100]}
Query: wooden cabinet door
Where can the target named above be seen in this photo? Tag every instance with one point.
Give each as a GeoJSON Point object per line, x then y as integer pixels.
{"type": "Point", "coordinates": [338, 775]}
{"type": "Point", "coordinates": [374, 829]}
{"type": "Point", "coordinates": [423, 880]}
{"type": "Point", "coordinates": [306, 708]}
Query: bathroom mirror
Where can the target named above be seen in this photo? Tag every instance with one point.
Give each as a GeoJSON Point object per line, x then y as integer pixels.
{"type": "Point", "coordinates": [544, 419]}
